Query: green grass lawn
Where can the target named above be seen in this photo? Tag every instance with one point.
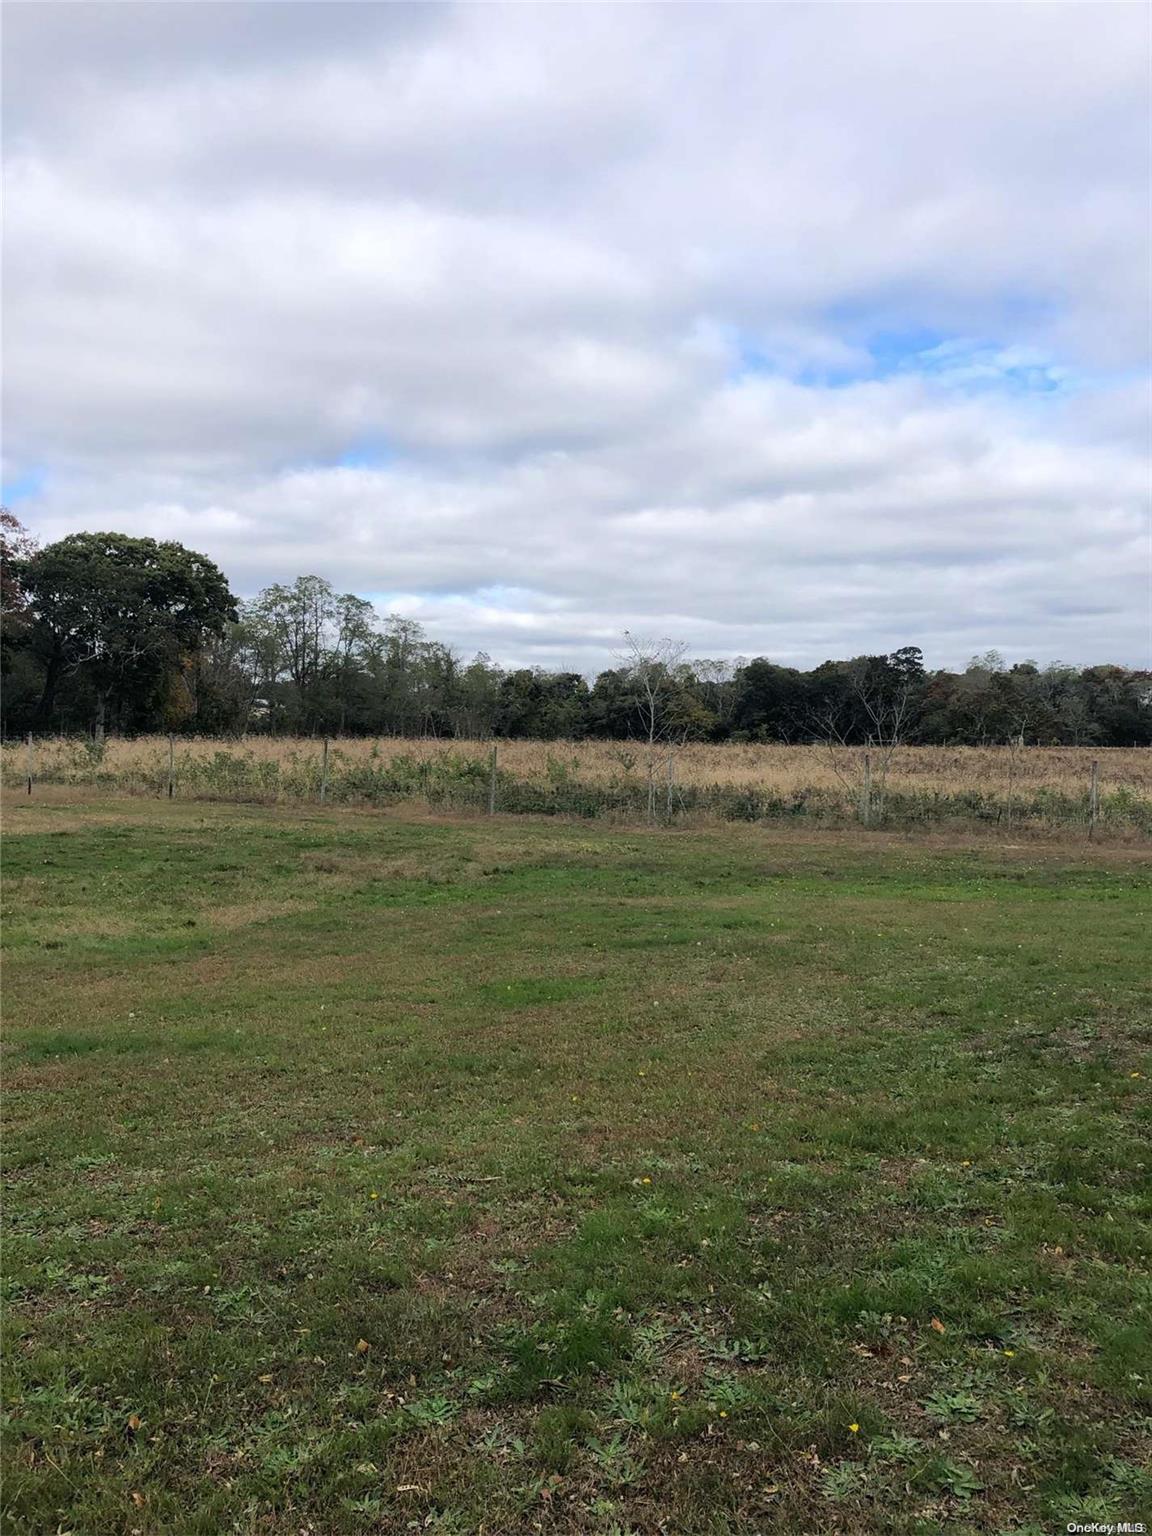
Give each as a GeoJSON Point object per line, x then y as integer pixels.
{"type": "Point", "coordinates": [376, 1173]}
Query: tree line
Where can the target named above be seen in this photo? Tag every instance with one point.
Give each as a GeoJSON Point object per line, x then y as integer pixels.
{"type": "Point", "coordinates": [103, 632]}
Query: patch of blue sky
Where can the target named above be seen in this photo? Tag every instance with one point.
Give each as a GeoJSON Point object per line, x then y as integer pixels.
{"type": "Point", "coordinates": [505, 599]}
{"type": "Point", "coordinates": [389, 603]}
{"type": "Point", "coordinates": [970, 365]}
{"type": "Point", "coordinates": [24, 485]}
{"type": "Point", "coordinates": [518, 599]}
{"type": "Point", "coordinates": [749, 356]}
{"type": "Point", "coordinates": [363, 453]}
{"type": "Point", "coordinates": [896, 322]}
{"type": "Point", "coordinates": [959, 363]}
{"type": "Point", "coordinates": [860, 357]}
{"type": "Point", "coordinates": [413, 600]}
{"type": "Point", "coordinates": [369, 453]}
{"type": "Point", "coordinates": [891, 351]}
{"type": "Point", "coordinates": [492, 596]}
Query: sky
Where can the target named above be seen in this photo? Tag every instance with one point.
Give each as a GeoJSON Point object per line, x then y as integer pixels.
{"type": "Point", "coordinates": [802, 331]}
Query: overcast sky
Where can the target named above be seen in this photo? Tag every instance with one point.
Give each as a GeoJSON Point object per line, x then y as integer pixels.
{"type": "Point", "coordinates": [790, 330]}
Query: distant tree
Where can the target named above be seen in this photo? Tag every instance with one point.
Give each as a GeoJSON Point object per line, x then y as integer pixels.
{"type": "Point", "coordinates": [543, 705]}
{"type": "Point", "coordinates": [393, 667]}
{"type": "Point", "coordinates": [870, 702]}
{"type": "Point", "coordinates": [611, 706]}
{"type": "Point", "coordinates": [566, 706]}
{"type": "Point", "coordinates": [976, 703]}
{"type": "Point", "coordinates": [478, 693]}
{"type": "Point", "coordinates": [293, 626]}
{"type": "Point", "coordinates": [1120, 701]}
{"type": "Point", "coordinates": [103, 626]}
{"type": "Point", "coordinates": [771, 702]}
{"type": "Point", "coordinates": [123, 611]}
{"type": "Point", "coordinates": [714, 683]}
{"type": "Point", "coordinates": [17, 546]}
{"type": "Point", "coordinates": [357, 637]}
{"type": "Point", "coordinates": [666, 713]}
{"type": "Point", "coordinates": [226, 680]}
{"type": "Point", "coordinates": [906, 665]}
{"type": "Point", "coordinates": [653, 669]}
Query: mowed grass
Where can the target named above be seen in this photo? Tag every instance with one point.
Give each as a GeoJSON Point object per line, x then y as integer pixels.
{"type": "Point", "coordinates": [377, 1173]}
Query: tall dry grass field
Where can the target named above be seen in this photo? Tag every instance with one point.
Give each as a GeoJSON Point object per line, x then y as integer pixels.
{"type": "Point", "coordinates": [777, 769]}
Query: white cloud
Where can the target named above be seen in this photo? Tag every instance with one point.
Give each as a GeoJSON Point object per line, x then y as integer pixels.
{"type": "Point", "coordinates": [601, 290]}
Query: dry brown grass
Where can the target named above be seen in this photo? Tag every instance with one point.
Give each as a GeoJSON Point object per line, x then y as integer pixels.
{"type": "Point", "coordinates": [775, 768]}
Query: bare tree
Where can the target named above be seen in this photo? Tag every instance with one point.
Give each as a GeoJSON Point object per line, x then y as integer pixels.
{"type": "Point", "coordinates": [885, 711]}
{"type": "Point", "coordinates": [654, 668]}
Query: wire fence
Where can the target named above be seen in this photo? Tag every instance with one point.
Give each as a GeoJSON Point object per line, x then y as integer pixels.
{"type": "Point", "coordinates": [649, 789]}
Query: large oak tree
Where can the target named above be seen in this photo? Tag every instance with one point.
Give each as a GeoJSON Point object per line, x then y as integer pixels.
{"type": "Point", "coordinates": [124, 611]}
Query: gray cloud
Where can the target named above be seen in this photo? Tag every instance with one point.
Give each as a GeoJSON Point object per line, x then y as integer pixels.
{"type": "Point", "coordinates": [798, 330]}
